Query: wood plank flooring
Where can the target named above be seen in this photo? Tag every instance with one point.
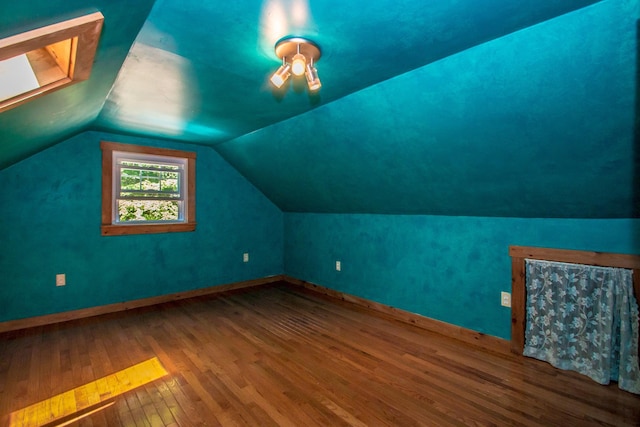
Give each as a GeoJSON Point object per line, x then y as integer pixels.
{"type": "Point", "coordinates": [283, 356]}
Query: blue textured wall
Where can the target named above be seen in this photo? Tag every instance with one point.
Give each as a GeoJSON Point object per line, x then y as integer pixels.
{"type": "Point", "coordinates": [50, 224]}
{"type": "Point", "coordinates": [447, 268]}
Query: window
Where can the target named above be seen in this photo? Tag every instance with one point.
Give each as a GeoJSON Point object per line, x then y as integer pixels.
{"type": "Point", "coordinates": [147, 190]}
{"type": "Point", "coordinates": [47, 59]}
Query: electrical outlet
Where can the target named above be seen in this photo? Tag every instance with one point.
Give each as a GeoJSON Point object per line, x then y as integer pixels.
{"type": "Point", "coordinates": [245, 257]}
{"type": "Point", "coordinates": [505, 299]}
{"type": "Point", "coordinates": [338, 266]}
{"type": "Point", "coordinates": [61, 280]}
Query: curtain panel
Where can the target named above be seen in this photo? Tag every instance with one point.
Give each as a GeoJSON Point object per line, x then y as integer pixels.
{"type": "Point", "coordinates": [583, 318]}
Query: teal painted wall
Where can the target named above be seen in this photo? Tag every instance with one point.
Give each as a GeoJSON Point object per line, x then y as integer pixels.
{"type": "Point", "coordinates": [50, 224]}
{"type": "Point", "coordinates": [447, 268]}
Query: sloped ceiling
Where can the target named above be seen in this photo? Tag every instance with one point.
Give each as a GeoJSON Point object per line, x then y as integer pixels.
{"type": "Point", "coordinates": [457, 107]}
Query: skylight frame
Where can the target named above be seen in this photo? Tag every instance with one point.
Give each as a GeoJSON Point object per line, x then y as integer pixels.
{"type": "Point", "coordinates": [84, 32]}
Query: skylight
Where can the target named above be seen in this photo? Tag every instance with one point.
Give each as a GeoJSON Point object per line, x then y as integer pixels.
{"type": "Point", "coordinates": [47, 59]}
{"type": "Point", "coordinates": [18, 75]}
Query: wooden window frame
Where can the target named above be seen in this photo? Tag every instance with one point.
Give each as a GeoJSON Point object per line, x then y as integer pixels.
{"type": "Point", "coordinates": [108, 227]}
{"type": "Point", "coordinates": [518, 275]}
{"type": "Point", "coordinates": [83, 33]}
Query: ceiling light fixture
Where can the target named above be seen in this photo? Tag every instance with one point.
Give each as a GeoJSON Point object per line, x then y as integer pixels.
{"type": "Point", "coordinates": [298, 57]}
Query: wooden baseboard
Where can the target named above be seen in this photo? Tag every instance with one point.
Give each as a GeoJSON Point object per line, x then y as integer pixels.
{"type": "Point", "coordinates": [30, 322]}
{"type": "Point", "coordinates": [486, 342]}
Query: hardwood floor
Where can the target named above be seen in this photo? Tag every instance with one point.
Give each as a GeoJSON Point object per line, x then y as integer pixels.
{"type": "Point", "coordinates": [280, 355]}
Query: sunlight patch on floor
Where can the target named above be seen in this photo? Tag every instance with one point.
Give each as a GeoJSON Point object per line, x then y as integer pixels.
{"type": "Point", "coordinates": [88, 398]}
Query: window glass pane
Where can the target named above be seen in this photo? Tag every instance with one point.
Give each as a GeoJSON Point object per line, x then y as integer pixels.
{"type": "Point", "coordinates": [170, 182]}
{"type": "Point", "coordinates": [151, 180]}
{"type": "Point", "coordinates": [148, 210]}
{"type": "Point", "coordinates": [149, 183]}
{"type": "Point", "coordinates": [129, 179]}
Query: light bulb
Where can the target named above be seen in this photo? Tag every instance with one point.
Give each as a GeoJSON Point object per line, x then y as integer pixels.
{"type": "Point", "coordinates": [313, 81]}
{"type": "Point", "coordinates": [281, 76]}
{"type": "Point", "coordinates": [298, 63]}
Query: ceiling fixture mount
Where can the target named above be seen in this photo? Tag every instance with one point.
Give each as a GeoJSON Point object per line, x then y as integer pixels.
{"type": "Point", "coordinates": [298, 57]}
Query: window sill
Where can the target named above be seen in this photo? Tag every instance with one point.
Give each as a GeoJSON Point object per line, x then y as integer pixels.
{"type": "Point", "coordinates": [120, 230]}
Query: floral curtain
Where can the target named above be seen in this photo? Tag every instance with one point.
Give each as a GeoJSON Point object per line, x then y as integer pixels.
{"type": "Point", "coordinates": [583, 318]}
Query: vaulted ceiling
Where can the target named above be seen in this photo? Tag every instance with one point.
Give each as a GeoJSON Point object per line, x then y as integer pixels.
{"type": "Point", "coordinates": [450, 107]}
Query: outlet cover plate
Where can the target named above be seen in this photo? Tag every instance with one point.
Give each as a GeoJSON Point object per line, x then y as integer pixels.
{"type": "Point", "coordinates": [505, 299]}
